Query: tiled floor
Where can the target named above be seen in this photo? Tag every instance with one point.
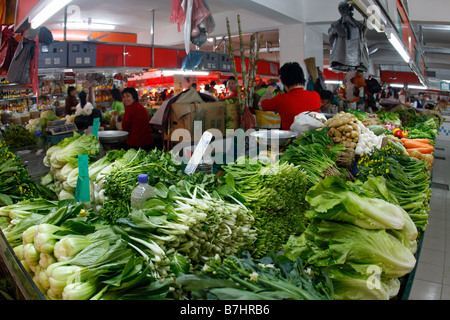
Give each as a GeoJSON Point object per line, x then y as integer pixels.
{"type": "Point", "coordinates": [432, 278]}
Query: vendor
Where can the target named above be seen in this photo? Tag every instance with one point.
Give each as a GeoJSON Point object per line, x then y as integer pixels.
{"type": "Point", "coordinates": [117, 107]}
{"type": "Point", "coordinates": [295, 101]}
{"type": "Point", "coordinates": [136, 121]}
{"type": "Point", "coordinates": [71, 101]}
{"type": "Point", "coordinates": [231, 87]}
{"type": "Point", "coordinates": [326, 97]}
{"type": "Point", "coordinates": [117, 104]}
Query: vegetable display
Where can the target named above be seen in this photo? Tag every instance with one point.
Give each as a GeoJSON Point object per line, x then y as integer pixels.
{"type": "Point", "coordinates": [344, 129]}
{"type": "Point", "coordinates": [407, 179]}
{"type": "Point", "coordinates": [391, 117]}
{"type": "Point", "coordinates": [15, 182]}
{"type": "Point", "coordinates": [349, 232]}
{"type": "Point", "coordinates": [337, 217]}
{"type": "Point", "coordinates": [316, 159]}
{"type": "Point", "coordinates": [274, 192]}
{"type": "Point", "coordinates": [16, 136]}
{"type": "Point", "coordinates": [246, 278]}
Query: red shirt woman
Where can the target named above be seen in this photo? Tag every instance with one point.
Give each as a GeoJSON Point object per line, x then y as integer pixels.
{"type": "Point", "coordinates": [136, 121]}
{"type": "Point", "coordinates": [295, 101]}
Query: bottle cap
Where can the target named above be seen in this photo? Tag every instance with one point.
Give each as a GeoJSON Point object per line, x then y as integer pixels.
{"type": "Point", "coordinates": [143, 178]}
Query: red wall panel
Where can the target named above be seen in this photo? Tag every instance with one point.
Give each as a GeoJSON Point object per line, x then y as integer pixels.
{"type": "Point", "coordinates": [138, 56]}
{"type": "Point", "coordinates": [165, 58]}
{"type": "Point", "coordinates": [109, 55]}
{"type": "Point", "coordinates": [400, 77]}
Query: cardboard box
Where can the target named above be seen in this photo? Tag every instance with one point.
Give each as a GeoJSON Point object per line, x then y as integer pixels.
{"type": "Point", "coordinates": [232, 116]}
{"type": "Point", "coordinates": [197, 117]}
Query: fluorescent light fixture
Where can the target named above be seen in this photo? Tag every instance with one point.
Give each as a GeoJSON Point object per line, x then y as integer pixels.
{"type": "Point", "coordinates": [184, 72]}
{"type": "Point", "coordinates": [412, 86]}
{"type": "Point", "coordinates": [398, 45]}
{"type": "Point", "coordinates": [333, 82]}
{"type": "Point", "coordinates": [86, 26]}
{"type": "Point", "coordinates": [47, 12]}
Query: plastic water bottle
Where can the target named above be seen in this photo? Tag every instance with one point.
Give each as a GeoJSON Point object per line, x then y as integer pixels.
{"type": "Point", "coordinates": [142, 192]}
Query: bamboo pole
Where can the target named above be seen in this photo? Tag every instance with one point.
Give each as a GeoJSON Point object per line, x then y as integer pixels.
{"type": "Point", "coordinates": [233, 62]}
{"type": "Point", "coordinates": [243, 64]}
{"type": "Point", "coordinates": [254, 69]}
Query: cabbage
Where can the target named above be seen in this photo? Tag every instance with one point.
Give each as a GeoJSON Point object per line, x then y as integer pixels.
{"type": "Point", "coordinates": [49, 115]}
{"type": "Point", "coordinates": [334, 199]}
{"type": "Point", "coordinates": [84, 144]}
{"type": "Point", "coordinates": [326, 243]}
{"type": "Point", "coordinates": [349, 284]}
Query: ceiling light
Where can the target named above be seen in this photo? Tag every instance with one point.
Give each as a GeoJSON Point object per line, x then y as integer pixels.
{"type": "Point", "coordinates": [48, 11]}
{"type": "Point", "coordinates": [91, 26]}
{"type": "Point", "coordinates": [184, 72]}
{"type": "Point", "coordinates": [398, 45]}
{"type": "Point", "coordinates": [333, 82]}
{"type": "Point", "coordinates": [412, 86]}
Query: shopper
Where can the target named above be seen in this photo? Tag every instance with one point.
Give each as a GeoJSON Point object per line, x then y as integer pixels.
{"type": "Point", "coordinates": [295, 101]}
{"type": "Point", "coordinates": [419, 103]}
{"type": "Point", "coordinates": [212, 88]}
{"type": "Point", "coordinates": [85, 112]}
{"type": "Point", "coordinates": [71, 101]}
{"type": "Point", "coordinates": [208, 91]}
{"type": "Point", "coordinates": [441, 106]}
{"type": "Point", "coordinates": [136, 121]}
{"type": "Point", "coordinates": [326, 96]}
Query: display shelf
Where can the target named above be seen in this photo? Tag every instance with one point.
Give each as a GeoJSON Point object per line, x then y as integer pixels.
{"type": "Point", "coordinates": [13, 86]}
{"type": "Point", "coordinates": [18, 278]}
{"type": "Point", "coordinates": [17, 98]}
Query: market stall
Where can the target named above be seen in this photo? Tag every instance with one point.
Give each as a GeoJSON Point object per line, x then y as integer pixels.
{"type": "Point", "coordinates": [249, 222]}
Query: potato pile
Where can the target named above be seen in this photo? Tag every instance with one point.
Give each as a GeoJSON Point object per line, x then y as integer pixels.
{"type": "Point", "coordinates": [344, 129]}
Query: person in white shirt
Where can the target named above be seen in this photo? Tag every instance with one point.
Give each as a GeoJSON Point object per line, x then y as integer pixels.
{"type": "Point", "coordinates": [84, 107]}
{"type": "Point", "coordinates": [85, 113]}
{"type": "Point", "coordinates": [419, 103]}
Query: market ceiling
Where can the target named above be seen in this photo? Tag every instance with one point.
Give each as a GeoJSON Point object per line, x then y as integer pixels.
{"type": "Point", "coordinates": [430, 20]}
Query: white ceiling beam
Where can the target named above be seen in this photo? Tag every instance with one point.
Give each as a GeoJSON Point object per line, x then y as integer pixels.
{"type": "Point", "coordinates": [283, 11]}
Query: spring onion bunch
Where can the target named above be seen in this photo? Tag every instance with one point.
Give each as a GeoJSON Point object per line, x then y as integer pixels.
{"type": "Point", "coordinates": [275, 193]}
{"type": "Point", "coordinates": [185, 219]}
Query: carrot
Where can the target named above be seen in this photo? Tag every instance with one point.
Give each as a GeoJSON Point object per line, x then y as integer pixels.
{"type": "Point", "coordinates": [410, 144]}
{"type": "Point", "coordinates": [423, 150]}
{"type": "Point", "coordinates": [426, 141]}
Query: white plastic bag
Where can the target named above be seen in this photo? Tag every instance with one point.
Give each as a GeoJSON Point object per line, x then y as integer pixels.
{"type": "Point", "coordinates": [308, 120]}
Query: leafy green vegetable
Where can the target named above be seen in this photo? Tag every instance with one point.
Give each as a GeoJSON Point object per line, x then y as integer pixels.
{"type": "Point", "coordinates": [337, 200]}
{"type": "Point", "coordinates": [275, 195]}
{"type": "Point", "coordinates": [317, 159]}
{"type": "Point", "coordinates": [268, 278]}
{"type": "Point", "coordinates": [326, 243]}
{"type": "Point", "coordinates": [387, 116]}
{"type": "Point", "coordinates": [179, 264]}
{"type": "Point", "coordinates": [15, 181]}
{"type": "Point", "coordinates": [16, 136]}
{"type": "Point", "coordinates": [350, 284]}
{"type": "Point", "coordinates": [359, 114]}
{"type": "Point", "coordinates": [406, 179]}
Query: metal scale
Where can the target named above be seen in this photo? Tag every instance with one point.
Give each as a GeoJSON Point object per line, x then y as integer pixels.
{"type": "Point", "coordinates": [60, 127]}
